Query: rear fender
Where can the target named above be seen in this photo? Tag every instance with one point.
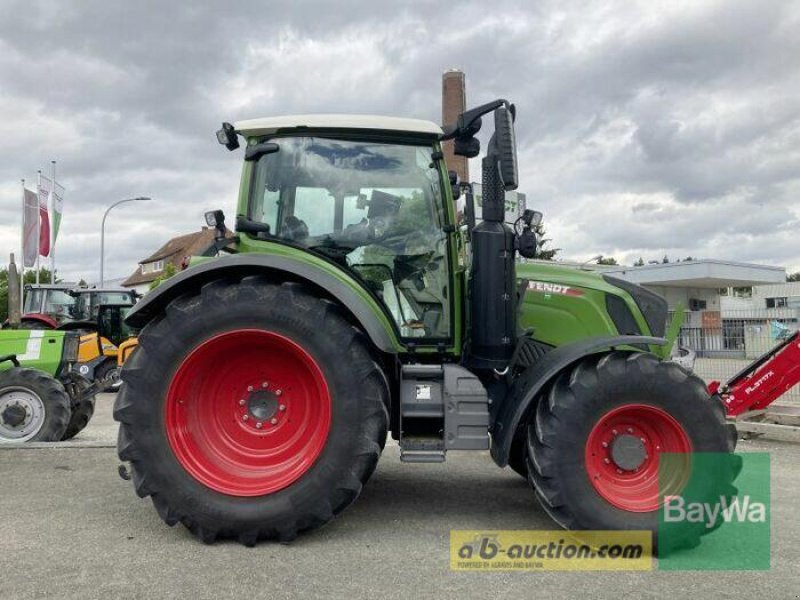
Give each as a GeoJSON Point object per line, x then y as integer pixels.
{"type": "Point", "coordinates": [344, 289]}
{"type": "Point", "coordinates": [522, 396]}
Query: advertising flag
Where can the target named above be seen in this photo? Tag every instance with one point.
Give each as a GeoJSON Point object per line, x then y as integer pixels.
{"type": "Point", "coordinates": [30, 229]}
{"type": "Point", "coordinates": [58, 203]}
{"type": "Point", "coordinates": [45, 186]}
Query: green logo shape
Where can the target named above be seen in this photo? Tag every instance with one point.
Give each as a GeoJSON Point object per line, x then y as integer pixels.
{"type": "Point", "coordinates": [710, 518]}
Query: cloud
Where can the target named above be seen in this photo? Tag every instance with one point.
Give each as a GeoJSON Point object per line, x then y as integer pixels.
{"type": "Point", "coordinates": [643, 129]}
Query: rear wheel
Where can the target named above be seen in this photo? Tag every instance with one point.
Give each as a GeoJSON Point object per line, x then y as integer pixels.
{"type": "Point", "coordinates": [595, 442]}
{"type": "Point", "coordinates": [82, 408]}
{"type": "Point", "coordinates": [34, 407]}
{"type": "Point", "coordinates": [251, 411]}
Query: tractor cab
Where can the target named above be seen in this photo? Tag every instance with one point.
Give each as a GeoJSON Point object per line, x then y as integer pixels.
{"type": "Point", "coordinates": [46, 306]}
{"type": "Point", "coordinates": [371, 204]}
{"type": "Point", "coordinates": [88, 301]}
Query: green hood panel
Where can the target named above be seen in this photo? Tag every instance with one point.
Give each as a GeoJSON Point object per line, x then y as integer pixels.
{"type": "Point", "coordinates": [563, 305]}
{"type": "Point", "coordinates": [34, 349]}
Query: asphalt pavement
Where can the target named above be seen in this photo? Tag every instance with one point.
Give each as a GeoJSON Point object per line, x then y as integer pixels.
{"type": "Point", "coordinates": [71, 528]}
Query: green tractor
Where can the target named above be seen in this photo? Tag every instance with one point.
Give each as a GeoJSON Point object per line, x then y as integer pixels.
{"type": "Point", "coordinates": [351, 303]}
{"type": "Point", "coordinates": [43, 398]}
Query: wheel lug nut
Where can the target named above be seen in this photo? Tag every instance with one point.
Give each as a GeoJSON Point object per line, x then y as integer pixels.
{"type": "Point", "coordinates": [273, 420]}
{"type": "Point", "coordinates": [605, 444]}
{"type": "Point", "coordinates": [241, 402]}
{"type": "Point", "coordinates": [644, 441]}
{"type": "Point", "coordinates": [607, 461]}
{"type": "Point", "coordinates": [282, 407]}
{"type": "Point", "coordinates": [245, 417]}
{"type": "Point", "coordinates": [259, 425]}
{"type": "Point", "coordinates": [249, 388]}
{"type": "Point", "coordinates": [265, 384]}
{"type": "Point", "coordinates": [278, 392]}
{"type": "Point", "coordinates": [630, 429]}
{"type": "Point", "coordinates": [619, 471]}
{"type": "Point", "coordinates": [614, 431]}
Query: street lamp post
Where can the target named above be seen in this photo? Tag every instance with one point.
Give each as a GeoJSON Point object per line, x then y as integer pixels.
{"type": "Point", "coordinates": [103, 232]}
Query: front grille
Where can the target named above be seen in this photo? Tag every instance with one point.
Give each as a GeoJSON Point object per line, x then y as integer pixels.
{"type": "Point", "coordinates": [71, 343]}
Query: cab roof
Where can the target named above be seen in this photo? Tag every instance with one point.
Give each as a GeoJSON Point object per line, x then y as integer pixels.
{"type": "Point", "coordinates": [270, 125]}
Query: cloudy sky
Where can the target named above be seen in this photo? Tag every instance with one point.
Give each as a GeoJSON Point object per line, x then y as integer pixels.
{"type": "Point", "coordinates": [644, 128]}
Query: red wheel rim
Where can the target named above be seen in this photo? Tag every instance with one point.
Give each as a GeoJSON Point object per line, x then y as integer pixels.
{"type": "Point", "coordinates": [248, 412]}
{"type": "Point", "coordinates": [622, 452]}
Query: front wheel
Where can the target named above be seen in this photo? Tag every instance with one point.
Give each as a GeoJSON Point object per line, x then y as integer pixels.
{"type": "Point", "coordinates": [251, 411]}
{"type": "Point", "coordinates": [34, 407]}
{"type": "Point", "coordinates": [595, 442]}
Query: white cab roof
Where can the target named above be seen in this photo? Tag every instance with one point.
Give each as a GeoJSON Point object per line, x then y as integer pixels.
{"type": "Point", "coordinates": [336, 121]}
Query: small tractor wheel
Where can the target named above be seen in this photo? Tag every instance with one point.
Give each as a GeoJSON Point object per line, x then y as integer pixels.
{"type": "Point", "coordinates": [594, 443]}
{"type": "Point", "coordinates": [252, 410]}
{"type": "Point", "coordinates": [34, 407]}
{"type": "Point", "coordinates": [107, 372]}
{"type": "Point", "coordinates": [82, 411]}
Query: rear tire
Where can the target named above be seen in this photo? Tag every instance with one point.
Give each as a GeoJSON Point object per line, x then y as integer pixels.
{"type": "Point", "coordinates": [577, 477]}
{"type": "Point", "coordinates": [34, 407]}
{"type": "Point", "coordinates": [192, 451]}
{"type": "Point", "coordinates": [82, 410]}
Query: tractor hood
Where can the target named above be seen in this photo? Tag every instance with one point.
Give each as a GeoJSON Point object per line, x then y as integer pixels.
{"type": "Point", "coordinates": [565, 276]}
{"type": "Point", "coordinates": [564, 304]}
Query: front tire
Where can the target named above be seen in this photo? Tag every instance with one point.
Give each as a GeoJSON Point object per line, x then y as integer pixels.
{"type": "Point", "coordinates": [594, 443]}
{"type": "Point", "coordinates": [251, 411]}
{"type": "Point", "coordinates": [34, 407]}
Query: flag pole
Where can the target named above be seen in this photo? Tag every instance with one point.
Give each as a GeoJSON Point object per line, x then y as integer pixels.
{"type": "Point", "coordinates": [22, 251]}
{"type": "Point", "coordinates": [38, 222]}
{"type": "Point", "coordinates": [52, 209]}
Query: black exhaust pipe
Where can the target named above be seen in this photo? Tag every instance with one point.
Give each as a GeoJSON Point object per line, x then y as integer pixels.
{"type": "Point", "coordinates": [492, 286]}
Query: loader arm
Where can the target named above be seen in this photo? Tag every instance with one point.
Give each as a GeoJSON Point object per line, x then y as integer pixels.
{"type": "Point", "coordinates": [764, 380]}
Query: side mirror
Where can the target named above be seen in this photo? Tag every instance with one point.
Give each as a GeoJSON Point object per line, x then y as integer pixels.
{"type": "Point", "coordinates": [227, 137]}
{"type": "Point", "coordinates": [506, 145]}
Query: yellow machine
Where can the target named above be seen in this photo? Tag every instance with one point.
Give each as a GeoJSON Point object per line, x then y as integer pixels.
{"type": "Point", "coordinates": [103, 352]}
{"type": "Point", "coordinates": [125, 349]}
{"type": "Point", "coordinates": [98, 359]}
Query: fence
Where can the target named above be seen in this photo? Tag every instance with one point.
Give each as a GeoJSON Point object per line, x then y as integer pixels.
{"type": "Point", "coordinates": [727, 341]}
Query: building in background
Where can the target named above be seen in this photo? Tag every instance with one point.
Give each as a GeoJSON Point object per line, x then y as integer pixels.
{"type": "Point", "coordinates": [174, 253]}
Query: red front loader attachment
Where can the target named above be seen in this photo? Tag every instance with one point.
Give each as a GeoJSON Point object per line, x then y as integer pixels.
{"type": "Point", "coordinates": [762, 382]}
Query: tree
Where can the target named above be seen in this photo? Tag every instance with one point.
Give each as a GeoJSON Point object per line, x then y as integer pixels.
{"type": "Point", "coordinates": [30, 278]}
{"type": "Point", "coordinates": [665, 260]}
{"type": "Point", "coordinates": [44, 276]}
{"type": "Point", "coordinates": [543, 253]}
{"type": "Point", "coordinates": [169, 271]}
{"type": "Point", "coordinates": [607, 261]}
{"type": "Point", "coordinates": [639, 263]}
{"type": "Point", "coordinates": [688, 259]}
{"type": "Point", "coordinates": [793, 276]}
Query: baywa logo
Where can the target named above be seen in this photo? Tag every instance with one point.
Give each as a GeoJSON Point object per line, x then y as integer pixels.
{"type": "Point", "coordinates": [737, 510]}
{"type": "Point", "coordinates": [719, 517]}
